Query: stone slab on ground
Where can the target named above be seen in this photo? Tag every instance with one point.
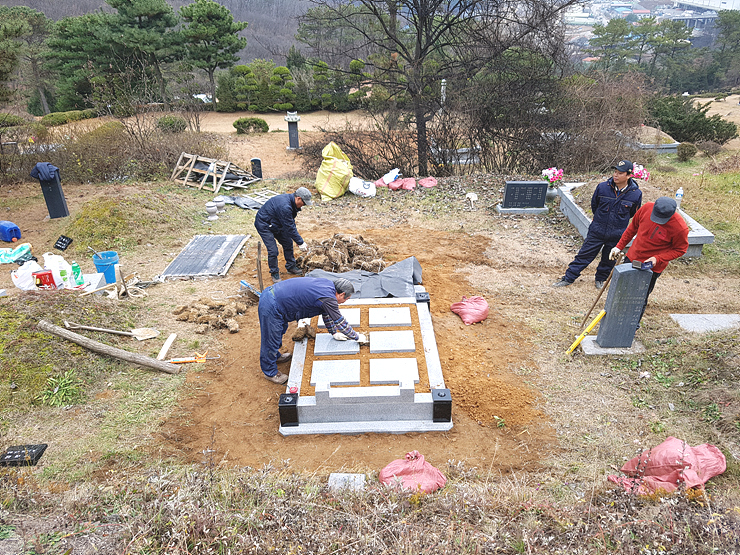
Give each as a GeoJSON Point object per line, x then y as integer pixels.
{"type": "Point", "coordinates": [352, 315]}
{"type": "Point", "coordinates": [704, 323]}
{"type": "Point", "coordinates": [326, 345]}
{"type": "Point", "coordinates": [590, 347]}
{"type": "Point", "coordinates": [387, 317]}
{"type": "Point", "coordinates": [335, 372]}
{"type": "Point", "coordinates": [393, 370]}
{"type": "Point", "coordinates": [392, 342]}
{"type": "Point", "coordinates": [344, 480]}
{"type": "Point", "coordinates": [522, 211]}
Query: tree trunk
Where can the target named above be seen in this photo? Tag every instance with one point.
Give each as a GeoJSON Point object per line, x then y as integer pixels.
{"type": "Point", "coordinates": [421, 137]}
{"type": "Point", "coordinates": [104, 349]}
{"type": "Point", "coordinates": [212, 81]}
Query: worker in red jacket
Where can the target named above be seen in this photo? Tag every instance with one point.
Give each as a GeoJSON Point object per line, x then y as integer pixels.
{"type": "Point", "coordinates": [660, 234]}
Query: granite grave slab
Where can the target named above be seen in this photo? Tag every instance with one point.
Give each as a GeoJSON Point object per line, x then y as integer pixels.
{"type": "Point", "coordinates": [352, 315]}
{"type": "Point", "coordinates": [392, 342]}
{"type": "Point", "coordinates": [704, 323]}
{"type": "Point", "coordinates": [394, 370]}
{"type": "Point", "coordinates": [326, 345]}
{"type": "Point", "coordinates": [388, 317]}
{"type": "Point", "coordinates": [335, 372]}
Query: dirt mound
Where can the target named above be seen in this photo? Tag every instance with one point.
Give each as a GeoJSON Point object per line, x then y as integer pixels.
{"type": "Point", "coordinates": [342, 253]}
{"type": "Point", "coordinates": [212, 314]}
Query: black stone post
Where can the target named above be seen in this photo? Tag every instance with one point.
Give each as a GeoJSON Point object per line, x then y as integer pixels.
{"type": "Point", "coordinates": [257, 167]}
{"type": "Point", "coordinates": [441, 405]}
{"type": "Point", "coordinates": [293, 118]}
{"type": "Point", "coordinates": [51, 186]}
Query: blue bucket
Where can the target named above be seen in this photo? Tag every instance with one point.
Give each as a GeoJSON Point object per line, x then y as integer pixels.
{"type": "Point", "coordinates": [106, 264]}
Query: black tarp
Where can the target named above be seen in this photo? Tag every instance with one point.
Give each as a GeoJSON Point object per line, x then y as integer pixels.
{"type": "Point", "coordinates": [397, 280]}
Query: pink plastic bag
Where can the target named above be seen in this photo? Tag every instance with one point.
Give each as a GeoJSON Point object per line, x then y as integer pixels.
{"type": "Point", "coordinates": [428, 182]}
{"type": "Point", "coordinates": [471, 309]}
{"type": "Point", "coordinates": [670, 463]}
{"type": "Point", "coordinates": [408, 183]}
{"type": "Point", "coordinates": [395, 185]}
{"type": "Point", "coordinates": [380, 183]}
{"type": "Point", "coordinates": [413, 473]}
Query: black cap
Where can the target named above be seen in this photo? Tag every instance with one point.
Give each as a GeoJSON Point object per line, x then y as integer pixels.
{"type": "Point", "coordinates": [663, 209]}
{"type": "Point", "coordinates": [624, 166]}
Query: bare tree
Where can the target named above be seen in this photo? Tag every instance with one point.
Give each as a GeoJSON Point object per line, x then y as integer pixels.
{"type": "Point", "coordinates": [423, 42]}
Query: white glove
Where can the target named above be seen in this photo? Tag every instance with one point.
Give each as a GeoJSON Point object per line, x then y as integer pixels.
{"type": "Point", "coordinates": [615, 252]}
{"type": "Point", "coordinates": [303, 246]}
{"type": "Point", "coordinates": [362, 340]}
{"type": "Point", "coordinates": [339, 336]}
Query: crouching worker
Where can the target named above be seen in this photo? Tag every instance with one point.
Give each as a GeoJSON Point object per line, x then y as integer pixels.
{"type": "Point", "coordinates": [293, 300]}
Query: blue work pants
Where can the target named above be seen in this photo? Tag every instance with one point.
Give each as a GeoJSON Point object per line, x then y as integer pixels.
{"type": "Point", "coordinates": [270, 239]}
{"type": "Point", "coordinates": [272, 328]}
{"type": "Point", "coordinates": [589, 251]}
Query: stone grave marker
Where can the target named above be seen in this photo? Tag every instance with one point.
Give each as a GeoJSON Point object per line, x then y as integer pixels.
{"type": "Point", "coordinates": [524, 197]}
{"type": "Point", "coordinates": [624, 302]}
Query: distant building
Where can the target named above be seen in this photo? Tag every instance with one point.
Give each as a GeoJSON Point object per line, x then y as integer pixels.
{"type": "Point", "coordinates": [709, 4]}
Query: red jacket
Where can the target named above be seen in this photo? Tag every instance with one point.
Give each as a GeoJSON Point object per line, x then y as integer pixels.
{"type": "Point", "coordinates": [665, 242]}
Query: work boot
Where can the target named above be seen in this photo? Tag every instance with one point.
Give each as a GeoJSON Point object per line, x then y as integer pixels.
{"type": "Point", "coordinates": [599, 285]}
{"type": "Point", "coordinates": [284, 357]}
{"type": "Point", "coordinates": [275, 276]}
{"type": "Point", "coordinates": [562, 283]}
{"type": "Point", "coordinates": [278, 378]}
{"type": "Point", "coordinates": [295, 270]}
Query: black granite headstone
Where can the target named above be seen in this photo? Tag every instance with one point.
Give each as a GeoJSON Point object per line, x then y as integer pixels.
{"type": "Point", "coordinates": [524, 194]}
{"type": "Point", "coordinates": [293, 135]}
{"type": "Point", "coordinates": [627, 292]}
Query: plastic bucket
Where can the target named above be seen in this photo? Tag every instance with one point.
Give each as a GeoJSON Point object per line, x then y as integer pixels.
{"type": "Point", "coordinates": [106, 264]}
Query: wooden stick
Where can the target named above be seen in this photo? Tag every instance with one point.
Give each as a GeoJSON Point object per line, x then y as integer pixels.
{"type": "Point", "coordinates": [123, 281]}
{"type": "Point", "coordinates": [166, 346]}
{"type": "Point", "coordinates": [259, 265]}
{"type": "Point", "coordinates": [86, 293]}
{"type": "Point", "coordinates": [104, 349]}
{"type": "Point", "coordinates": [606, 286]}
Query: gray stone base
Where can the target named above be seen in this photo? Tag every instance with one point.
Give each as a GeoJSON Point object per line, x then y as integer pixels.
{"type": "Point", "coordinates": [590, 347]}
{"type": "Point", "coordinates": [704, 323]}
{"type": "Point", "coordinates": [524, 211]}
{"type": "Point", "coordinates": [349, 428]}
{"type": "Point", "coordinates": [343, 480]}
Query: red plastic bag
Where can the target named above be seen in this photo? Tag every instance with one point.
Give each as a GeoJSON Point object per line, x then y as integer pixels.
{"type": "Point", "coordinates": [413, 473]}
{"type": "Point", "coordinates": [380, 183]}
{"type": "Point", "coordinates": [471, 309]}
{"type": "Point", "coordinates": [428, 182]}
{"type": "Point", "coordinates": [670, 463]}
{"type": "Point", "coordinates": [408, 183]}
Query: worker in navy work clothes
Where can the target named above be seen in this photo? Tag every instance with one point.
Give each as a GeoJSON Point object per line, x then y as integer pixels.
{"type": "Point", "coordinates": [275, 222]}
{"type": "Point", "coordinates": [292, 300]}
{"type": "Point", "coordinates": [613, 203]}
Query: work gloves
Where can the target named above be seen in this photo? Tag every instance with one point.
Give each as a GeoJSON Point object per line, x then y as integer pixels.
{"type": "Point", "coordinates": [362, 340]}
{"type": "Point", "coordinates": [303, 246]}
{"type": "Point", "coordinates": [615, 252]}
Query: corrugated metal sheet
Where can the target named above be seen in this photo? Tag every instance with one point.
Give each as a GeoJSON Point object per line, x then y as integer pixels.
{"type": "Point", "coordinates": [206, 255]}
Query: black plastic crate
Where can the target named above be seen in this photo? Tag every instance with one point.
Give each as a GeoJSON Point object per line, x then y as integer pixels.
{"type": "Point", "coordinates": [22, 455]}
{"type": "Point", "coordinates": [63, 242]}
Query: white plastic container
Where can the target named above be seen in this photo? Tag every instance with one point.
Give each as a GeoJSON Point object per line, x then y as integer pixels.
{"type": "Point", "coordinates": [679, 197]}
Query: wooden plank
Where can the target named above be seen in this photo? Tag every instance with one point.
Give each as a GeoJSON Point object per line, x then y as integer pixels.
{"type": "Point", "coordinates": [177, 166]}
{"type": "Point", "coordinates": [223, 177]}
{"type": "Point", "coordinates": [192, 164]}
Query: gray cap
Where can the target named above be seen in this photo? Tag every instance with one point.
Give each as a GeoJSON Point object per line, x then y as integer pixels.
{"type": "Point", "coordinates": [344, 286]}
{"type": "Point", "coordinates": [663, 209]}
{"type": "Point", "coordinates": [305, 195]}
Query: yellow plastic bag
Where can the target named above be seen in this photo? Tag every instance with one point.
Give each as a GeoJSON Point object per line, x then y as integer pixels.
{"type": "Point", "coordinates": [333, 177]}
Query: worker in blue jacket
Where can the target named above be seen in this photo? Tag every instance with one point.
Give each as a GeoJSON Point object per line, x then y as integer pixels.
{"type": "Point", "coordinates": [275, 222]}
{"type": "Point", "coordinates": [613, 204]}
{"type": "Point", "coordinates": [293, 300]}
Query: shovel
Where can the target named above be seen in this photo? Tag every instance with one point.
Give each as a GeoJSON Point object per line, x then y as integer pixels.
{"type": "Point", "coordinates": [139, 333]}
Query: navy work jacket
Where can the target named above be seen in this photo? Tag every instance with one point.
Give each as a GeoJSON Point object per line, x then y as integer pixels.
{"type": "Point", "coordinates": [612, 210]}
{"type": "Point", "coordinates": [278, 214]}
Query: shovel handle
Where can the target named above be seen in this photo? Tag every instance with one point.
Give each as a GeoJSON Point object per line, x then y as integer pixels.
{"type": "Point", "coordinates": [73, 326]}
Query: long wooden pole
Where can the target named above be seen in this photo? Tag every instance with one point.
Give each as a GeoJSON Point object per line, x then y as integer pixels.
{"type": "Point", "coordinates": [104, 349]}
{"type": "Point", "coordinates": [606, 286]}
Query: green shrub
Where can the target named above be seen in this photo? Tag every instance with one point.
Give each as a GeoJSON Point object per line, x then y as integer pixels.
{"type": "Point", "coordinates": [686, 151]}
{"type": "Point", "coordinates": [251, 125]}
{"type": "Point", "coordinates": [172, 124]}
{"type": "Point", "coordinates": [687, 122]}
{"type": "Point", "coordinates": [54, 119]}
{"type": "Point", "coordinates": [89, 113]}
{"type": "Point", "coordinates": [9, 120]}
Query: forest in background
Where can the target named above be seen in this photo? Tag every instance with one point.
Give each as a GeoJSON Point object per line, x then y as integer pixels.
{"type": "Point", "coordinates": [270, 34]}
